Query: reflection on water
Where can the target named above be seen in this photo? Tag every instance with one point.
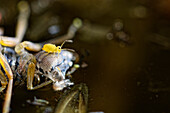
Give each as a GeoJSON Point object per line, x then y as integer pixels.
{"type": "Point", "coordinates": [121, 79]}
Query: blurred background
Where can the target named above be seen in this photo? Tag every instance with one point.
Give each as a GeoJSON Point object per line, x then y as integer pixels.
{"type": "Point", "coordinates": [126, 45]}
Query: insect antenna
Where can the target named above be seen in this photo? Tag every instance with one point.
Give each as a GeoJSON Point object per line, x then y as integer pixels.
{"type": "Point", "coordinates": [70, 41]}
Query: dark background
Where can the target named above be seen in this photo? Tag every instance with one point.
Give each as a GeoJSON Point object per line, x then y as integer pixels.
{"type": "Point", "coordinates": [129, 75]}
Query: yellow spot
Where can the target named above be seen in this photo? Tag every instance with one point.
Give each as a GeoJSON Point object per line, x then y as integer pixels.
{"type": "Point", "coordinates": [50, 48]}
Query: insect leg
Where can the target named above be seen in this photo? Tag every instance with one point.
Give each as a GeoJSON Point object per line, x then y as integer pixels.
{"type": "Point", "coordinates": [41, 85]}
{"type": "Point", "coordinates": [1, 30]}
{"type": "Point", "coordinates": [30, 77]}
{"type": "Point", "coordinates": [3, 81]}
{"type": "Point", "coordinates": [74, 27]}
{"type": "Point", "coordinates": [9, 74]}
{"type": "Point", "coordinates": [22, 23]}
{"type": "Point", "coordinates": [20, 48]}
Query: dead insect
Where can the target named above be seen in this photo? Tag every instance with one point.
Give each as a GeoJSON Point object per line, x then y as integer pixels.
{"type": "Point", "coordinates": [23, 66]}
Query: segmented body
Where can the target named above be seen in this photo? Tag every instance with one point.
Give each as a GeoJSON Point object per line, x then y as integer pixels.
{"type": "Point", "coordinates": [48, 62]}
{"type": "Point", "coordinates": [52, 66]}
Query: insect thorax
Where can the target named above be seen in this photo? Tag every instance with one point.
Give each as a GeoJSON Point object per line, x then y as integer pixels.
{"type": "Point", "coordinates": [55, 65]}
